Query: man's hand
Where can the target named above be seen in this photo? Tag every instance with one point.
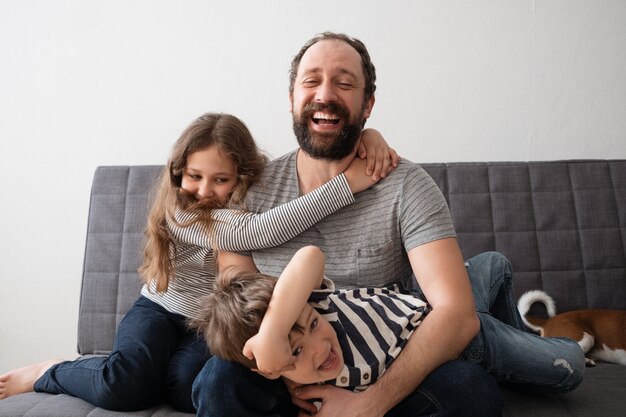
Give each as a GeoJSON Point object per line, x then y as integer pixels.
{"type": "Point", "coordinates": [335, 401]}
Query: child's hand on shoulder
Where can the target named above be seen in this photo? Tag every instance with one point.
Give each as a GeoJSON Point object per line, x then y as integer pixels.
{"type": "Point", "coordinates": [381, 158]}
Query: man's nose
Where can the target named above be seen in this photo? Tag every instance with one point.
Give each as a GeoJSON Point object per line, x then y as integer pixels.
{"type": "Point", "coordinates": [325, 92]}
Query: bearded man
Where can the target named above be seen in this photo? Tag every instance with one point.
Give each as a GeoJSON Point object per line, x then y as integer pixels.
{"type": "Point", "coordinates": [399, 231]}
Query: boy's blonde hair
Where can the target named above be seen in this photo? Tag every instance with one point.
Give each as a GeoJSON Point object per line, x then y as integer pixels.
{"type": "Point", "coordinates": [234, 312]}
{"type": "Point", "coordinates": [234, 140]}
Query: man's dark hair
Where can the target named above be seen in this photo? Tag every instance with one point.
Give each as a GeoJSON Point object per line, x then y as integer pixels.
{"type": "Point", "coordinates": [368, 68]}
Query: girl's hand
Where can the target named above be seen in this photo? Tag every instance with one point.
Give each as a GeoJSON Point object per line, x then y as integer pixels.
{"type": "Point", "coordinates": [381, 159]}
{"type": "Point", "coordinates": [358, 179]}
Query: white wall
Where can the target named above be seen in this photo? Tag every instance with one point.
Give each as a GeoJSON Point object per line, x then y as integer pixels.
{"type": "Point", "coordinates": [88, 83]}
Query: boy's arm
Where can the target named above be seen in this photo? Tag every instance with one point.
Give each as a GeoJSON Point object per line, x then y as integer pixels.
{"type": "Point", "coordinates": [270, 347]}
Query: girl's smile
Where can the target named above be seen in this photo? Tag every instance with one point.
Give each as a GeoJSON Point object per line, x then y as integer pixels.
{"type": "Point", "coordinates": [209, 174]}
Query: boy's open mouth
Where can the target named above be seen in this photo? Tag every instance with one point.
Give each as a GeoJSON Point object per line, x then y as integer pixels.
{"type": "Point", "coordinates": [329, 362]}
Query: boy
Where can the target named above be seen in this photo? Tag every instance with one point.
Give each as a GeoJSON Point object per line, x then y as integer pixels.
{"type": "Point", "coordinates": [303, 329]}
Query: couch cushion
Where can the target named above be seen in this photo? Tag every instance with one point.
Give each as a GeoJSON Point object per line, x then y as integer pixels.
{"type": "Point", "coordinates": [600, 395]}
{"type": "Point", "coordinates": [47, 405]}
{"type": "Point", "coordinates": [562, 224]}
{"type": "Point", "coordinates": [117, 219]}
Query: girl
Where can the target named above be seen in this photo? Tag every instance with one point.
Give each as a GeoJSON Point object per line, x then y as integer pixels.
{"type": "Point", "coordinates": [155, 355]}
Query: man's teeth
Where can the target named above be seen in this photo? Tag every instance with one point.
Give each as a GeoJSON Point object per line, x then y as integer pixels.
{"type": "Point", "coordinates": [324, 116]}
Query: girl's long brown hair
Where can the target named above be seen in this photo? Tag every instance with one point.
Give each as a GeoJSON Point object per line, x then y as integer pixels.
{"type": "Point", "coordinates": [234, 140]}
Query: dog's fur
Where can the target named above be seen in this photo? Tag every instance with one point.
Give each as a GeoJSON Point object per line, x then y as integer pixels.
{"type": "Point", "coordinates": [600, 333]}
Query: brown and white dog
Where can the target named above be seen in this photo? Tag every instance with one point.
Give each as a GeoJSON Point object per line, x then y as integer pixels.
{"type": "Point", "coordinates": [600, 333]}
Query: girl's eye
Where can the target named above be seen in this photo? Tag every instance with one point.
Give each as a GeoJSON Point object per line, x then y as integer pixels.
{"type": "Point", "coordinates": [221, 180]}
{"type": "Point", "coordinates": [195, 177]}
{"type": "Point", "coordinates": [297, 351]}
{"type": "Point", "coordinates": [314, 324]}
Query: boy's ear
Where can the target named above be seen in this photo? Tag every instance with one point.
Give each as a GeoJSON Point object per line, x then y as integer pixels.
{"type": "Point", "coordinates": [268, 376]}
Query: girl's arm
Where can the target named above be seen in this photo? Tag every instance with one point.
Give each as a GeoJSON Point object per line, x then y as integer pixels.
{"type": "Point", "coordinates": [270, 347]}
{"type": "Point", "coordinates": [235, 230]}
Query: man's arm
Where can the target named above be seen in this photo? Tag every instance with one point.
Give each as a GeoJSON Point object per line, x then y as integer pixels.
{"type": "Point", "coordinates": [441, 337]}
{"type": "Point", "coordinates": [445, 331]}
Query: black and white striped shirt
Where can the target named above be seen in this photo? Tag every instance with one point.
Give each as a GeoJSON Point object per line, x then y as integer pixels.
{"type": "Point", "coordinates": [195, 263]}
{"type": "Point", "coordinates": [373, 325]}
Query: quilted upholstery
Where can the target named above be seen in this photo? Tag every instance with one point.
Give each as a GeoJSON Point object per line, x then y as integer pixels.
{"type": "Point", "coordinates": [561, 224]}
{"type": "Point", "coordinates": [120, 200]}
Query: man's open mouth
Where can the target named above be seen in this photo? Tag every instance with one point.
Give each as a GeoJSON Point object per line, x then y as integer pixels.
{"type": "Point", "coordinates": [321, 118]}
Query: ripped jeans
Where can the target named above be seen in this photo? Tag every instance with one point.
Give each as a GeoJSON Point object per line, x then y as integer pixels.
{"type": "Point", "coordinates": [504, 347]}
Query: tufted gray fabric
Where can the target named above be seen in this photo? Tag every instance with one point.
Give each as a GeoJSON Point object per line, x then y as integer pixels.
{"type": "Point", "coordinates": [120, 200]}
{"type": "Point", "coordinates": [562, 224]}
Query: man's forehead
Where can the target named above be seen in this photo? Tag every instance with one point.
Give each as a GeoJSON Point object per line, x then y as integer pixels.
{"type": "Point", "coordinates": [331, 53]}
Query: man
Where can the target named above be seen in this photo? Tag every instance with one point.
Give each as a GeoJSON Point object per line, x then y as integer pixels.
{"type": "Point", "coordinates": [398, 229]}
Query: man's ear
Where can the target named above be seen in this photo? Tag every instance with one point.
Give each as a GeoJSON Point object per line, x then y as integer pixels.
{"type": "Point", "coordinates": [290, 102]}
{"type": "Point", "coordinates": [264, 375]}
{"type": "Point", "coordinates": [369, 105]}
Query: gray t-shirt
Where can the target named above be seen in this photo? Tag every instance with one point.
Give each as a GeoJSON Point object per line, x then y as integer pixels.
{"type": "Point", "coordinates": [365, 243]}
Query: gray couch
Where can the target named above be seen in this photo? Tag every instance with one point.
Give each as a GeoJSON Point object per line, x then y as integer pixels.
{"type": "Point", "coordinates": [562, 224]}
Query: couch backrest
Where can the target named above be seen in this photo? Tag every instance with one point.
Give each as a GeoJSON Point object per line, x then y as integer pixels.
{"type": "Point", "coordinates": [562, 224]}
{"type": "Point", "coordinates": [117, 219]}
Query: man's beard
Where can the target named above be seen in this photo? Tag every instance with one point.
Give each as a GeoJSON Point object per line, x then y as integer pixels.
{"type": "Point", "coordinates": [329, 146]}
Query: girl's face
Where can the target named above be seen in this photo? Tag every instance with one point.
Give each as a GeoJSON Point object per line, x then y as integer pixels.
{"type": "Point", "coordinates": [209, 173]}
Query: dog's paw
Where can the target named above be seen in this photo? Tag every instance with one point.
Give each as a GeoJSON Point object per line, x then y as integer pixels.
{"type": "Point", "coordinates": [589, 362]}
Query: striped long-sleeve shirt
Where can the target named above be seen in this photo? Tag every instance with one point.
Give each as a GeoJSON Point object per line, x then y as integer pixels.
{"type": "Point", "coordinates": [195, 264]}
{"type": "Point", "coordinates": [373, 325]}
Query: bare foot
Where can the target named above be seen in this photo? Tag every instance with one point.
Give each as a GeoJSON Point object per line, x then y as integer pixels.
{"type": "Point", "coordinates": [23, 379]}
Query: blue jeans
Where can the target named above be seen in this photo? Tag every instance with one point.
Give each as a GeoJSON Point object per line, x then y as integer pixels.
{"type": "Point", "coordinates": [154, 356]}
{"type": "Point", "coordinates": [455, 389]}
{"type": "Point", "coordinates": [504, 347]}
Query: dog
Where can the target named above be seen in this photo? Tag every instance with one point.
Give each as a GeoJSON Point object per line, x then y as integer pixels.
{"type": "Point", "coordinates": [600, 333]}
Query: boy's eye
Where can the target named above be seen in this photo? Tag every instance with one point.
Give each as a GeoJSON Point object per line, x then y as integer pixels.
{"type": "Point", "coordinates": [314, 324]}
{"type": "Point", "coordinates": [297, 351]}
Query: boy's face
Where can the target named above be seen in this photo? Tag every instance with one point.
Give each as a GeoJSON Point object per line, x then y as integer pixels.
{"type": "Point", "coordinates": [315, 345]}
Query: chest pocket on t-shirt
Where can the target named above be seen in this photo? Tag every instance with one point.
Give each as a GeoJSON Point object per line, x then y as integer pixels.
{"type": "Point", "coordinates": [376, 265]}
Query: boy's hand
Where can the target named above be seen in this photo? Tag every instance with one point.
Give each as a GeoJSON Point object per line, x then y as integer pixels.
{"type": "Point", "coordinates": [272, 354]}
{"type": "Point", "coordinates": [381, 159]}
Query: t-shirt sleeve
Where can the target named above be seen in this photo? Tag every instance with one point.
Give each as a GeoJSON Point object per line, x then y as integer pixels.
{"type": "Point", "coordinates": [424, 213]}
{"type": "Point", "coordinates": [236, 230]}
